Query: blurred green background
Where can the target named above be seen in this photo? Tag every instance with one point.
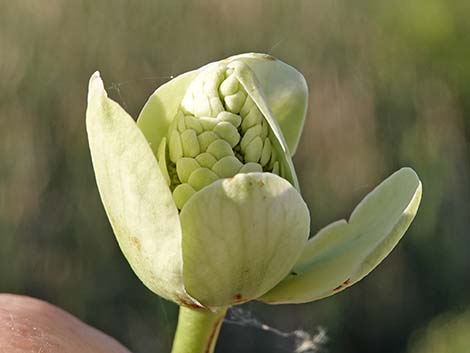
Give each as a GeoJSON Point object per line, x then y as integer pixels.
{"type": "Point", "coordinates": [389, 87]}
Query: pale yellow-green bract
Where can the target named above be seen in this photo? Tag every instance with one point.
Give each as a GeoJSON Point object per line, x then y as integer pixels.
{"type": "Point", "coordinates": [204, 200]}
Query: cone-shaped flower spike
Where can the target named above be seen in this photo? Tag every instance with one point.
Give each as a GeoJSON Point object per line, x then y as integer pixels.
{"type": "Point", "coordinates": [204, 200]}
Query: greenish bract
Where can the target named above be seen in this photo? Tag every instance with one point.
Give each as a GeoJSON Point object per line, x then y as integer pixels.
{"type": "Point", "coordinates": [218, 132]}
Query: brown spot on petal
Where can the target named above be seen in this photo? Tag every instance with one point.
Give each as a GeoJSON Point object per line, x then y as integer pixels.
{"type": "Point", "coordinates": [189, 304]}
{"type": "Point", "coordinates": [342, 285]}
{"type": "Point", "coordinates": [237, 297]}
{"type": "Point", "coordinates": [136, 243]}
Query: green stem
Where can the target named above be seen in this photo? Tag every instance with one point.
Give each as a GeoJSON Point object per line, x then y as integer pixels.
{"type": "Point", "coordinates": [197, 330]}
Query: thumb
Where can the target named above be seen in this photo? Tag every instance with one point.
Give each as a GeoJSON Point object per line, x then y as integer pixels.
{"type": "Point", "coordinates": [32, 325]}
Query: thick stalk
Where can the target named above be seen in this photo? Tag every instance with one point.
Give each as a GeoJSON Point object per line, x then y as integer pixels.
{"type": "Point", "coordinates": [197, 330]}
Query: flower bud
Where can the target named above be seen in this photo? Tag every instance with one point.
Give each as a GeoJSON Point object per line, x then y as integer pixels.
{"type": "Point", "coordinates": [218, 132]}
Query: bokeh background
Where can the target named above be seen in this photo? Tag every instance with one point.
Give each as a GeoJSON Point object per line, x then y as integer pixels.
{"type": "Point", "coordinates": [389, 87]}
